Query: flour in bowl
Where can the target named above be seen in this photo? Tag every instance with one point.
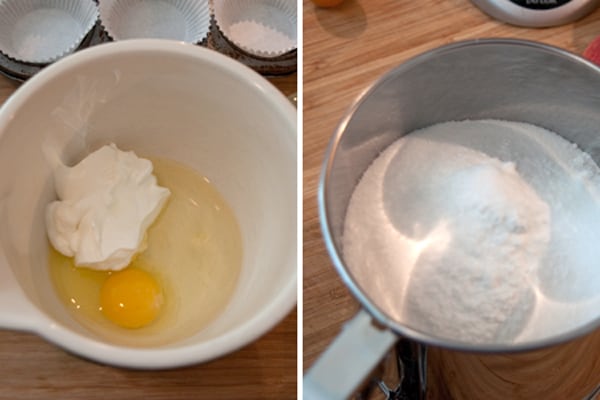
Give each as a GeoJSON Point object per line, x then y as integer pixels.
{"type": "Point", "coordinates": [479, 231]}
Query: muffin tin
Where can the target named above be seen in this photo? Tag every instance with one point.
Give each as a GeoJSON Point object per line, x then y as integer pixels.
{"type": "Point", "coordinates": [264, 28]}
{"type": "Point", "coordinates": [184, 20]}
{"type": "Point", "coordinates": [42, 31]}
{"type": "Point", "coordinates": [280, 65]}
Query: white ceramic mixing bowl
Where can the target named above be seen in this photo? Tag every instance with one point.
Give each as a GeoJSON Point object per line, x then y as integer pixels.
{"type": "Point", "coordinates": [165, 99]}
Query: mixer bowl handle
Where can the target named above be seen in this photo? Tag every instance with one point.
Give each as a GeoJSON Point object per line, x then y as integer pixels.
{"type": "Point", "coordinates": [354, 353]}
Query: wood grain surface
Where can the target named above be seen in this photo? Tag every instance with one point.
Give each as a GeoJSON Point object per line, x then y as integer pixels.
{"type": "Point", "coordinates": [345, 50]}
{"type": "Point", "coordinates": [566, 371]}
{"type": "Point", "coordinates": [31, 368]}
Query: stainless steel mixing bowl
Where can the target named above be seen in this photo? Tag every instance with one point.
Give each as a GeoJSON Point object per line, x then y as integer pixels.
{"type": "Point", "coordinates": [497, 79]}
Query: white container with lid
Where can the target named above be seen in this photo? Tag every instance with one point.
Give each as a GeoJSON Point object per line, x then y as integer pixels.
{"type": "Point", "coordinates": [537, 13]}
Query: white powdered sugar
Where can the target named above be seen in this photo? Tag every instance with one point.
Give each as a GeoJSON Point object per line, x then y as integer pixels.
{"type": "Point", "coordinates": [479, 231]}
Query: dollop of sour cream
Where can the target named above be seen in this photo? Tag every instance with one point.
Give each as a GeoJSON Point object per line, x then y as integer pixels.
{"type": "Point", "coordinates": [105, 205]}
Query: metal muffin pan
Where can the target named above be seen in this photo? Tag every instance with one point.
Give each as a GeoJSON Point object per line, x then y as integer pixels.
{"type": "Point", "coordinates": [281, 65]}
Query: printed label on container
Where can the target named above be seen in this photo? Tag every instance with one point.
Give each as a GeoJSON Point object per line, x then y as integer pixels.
{"type": "Point", "coordinates": [540, 4]}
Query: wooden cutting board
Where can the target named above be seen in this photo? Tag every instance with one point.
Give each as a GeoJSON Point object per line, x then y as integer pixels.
{"type": "Point", "coordinates": [566, 371]}
{"type": "Point", "coordinates": [345, 50]}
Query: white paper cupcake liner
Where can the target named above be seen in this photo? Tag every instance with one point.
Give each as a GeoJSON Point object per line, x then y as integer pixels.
{"type": "Point", "coordinates": [42, 31]}
{"type": "Point", "coordinates": [182, 20]}
{"type": "Point", "coordinates": [266, 28]}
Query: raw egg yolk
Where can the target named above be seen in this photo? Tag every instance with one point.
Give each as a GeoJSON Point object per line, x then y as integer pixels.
{"type": "Point", "coordinates": [131, 298]}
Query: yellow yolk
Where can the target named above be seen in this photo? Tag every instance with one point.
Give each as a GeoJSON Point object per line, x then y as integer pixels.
{"type": "Point", "coordinates": [131, 298]}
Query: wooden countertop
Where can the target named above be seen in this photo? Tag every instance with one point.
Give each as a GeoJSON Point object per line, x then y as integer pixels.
{"type": "Point", "coordinates": [345, 50]}
{"type": "Point", "coordinates": [31, 368]}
